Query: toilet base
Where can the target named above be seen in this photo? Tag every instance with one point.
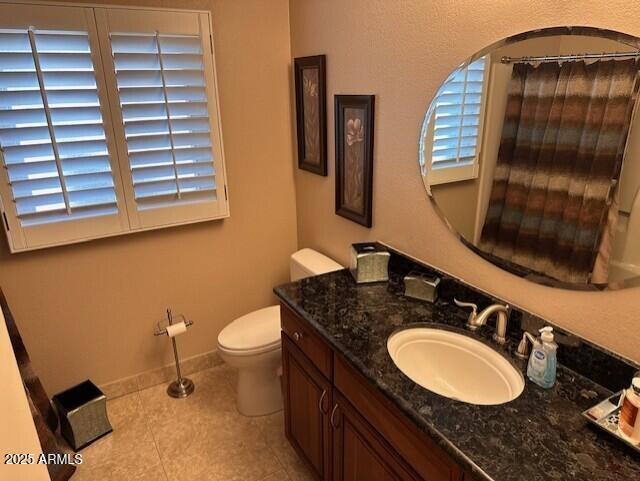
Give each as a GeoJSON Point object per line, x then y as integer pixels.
{"type": "Point", "coordinates": [259, 392]}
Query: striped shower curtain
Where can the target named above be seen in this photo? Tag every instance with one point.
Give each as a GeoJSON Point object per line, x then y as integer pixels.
{"type": "Point", "coordinates": [563, 139]}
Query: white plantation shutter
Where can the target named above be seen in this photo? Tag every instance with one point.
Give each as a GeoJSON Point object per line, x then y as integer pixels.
{"type": "Point", "coordinates": [48, 78]}
{"type": "Point", "coordinates": [162, 93]}
{"type": "Point", "coordinates": [165, 88]}
{"type": "Point", "coordinates": [52, 135]}
{"type": "Point", "coordinates": [455, 125]}
{"type": "Point", "coordinates": [80, 164]}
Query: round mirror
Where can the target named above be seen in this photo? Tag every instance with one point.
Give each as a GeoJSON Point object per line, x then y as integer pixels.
{"type": "Point", "coordinates": [531, 152]}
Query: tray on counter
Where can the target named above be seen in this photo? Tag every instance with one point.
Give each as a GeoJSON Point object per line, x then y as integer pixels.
{"type": "Point", "coordinates": [606, 416]}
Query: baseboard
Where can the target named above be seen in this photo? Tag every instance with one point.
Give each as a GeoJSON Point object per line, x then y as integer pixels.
{"type": "Point", "coordinates": [159, 375]}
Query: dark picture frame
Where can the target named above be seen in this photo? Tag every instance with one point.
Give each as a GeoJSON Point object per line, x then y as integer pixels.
{"type": "Point", "coordinates": [311, 113]}
{"type": "Point", "coordinates": [354, 123]}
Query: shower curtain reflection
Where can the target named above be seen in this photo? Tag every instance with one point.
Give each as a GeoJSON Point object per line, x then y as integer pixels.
{"type": "Point", "coordinates": [563, 139]}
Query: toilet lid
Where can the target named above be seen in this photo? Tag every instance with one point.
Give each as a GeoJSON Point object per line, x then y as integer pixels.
{"type": "Point", "coordinates": [256, 330]}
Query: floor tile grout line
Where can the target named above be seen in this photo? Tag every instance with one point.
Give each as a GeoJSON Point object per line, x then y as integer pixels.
{"type": "Point", "coordinates": [284, 465]}
{"type": "Point", "coordinates": [282, 468]}
{"type": "Point", "coordinates": [147, 423]}
{"type": "Point", "coordinates": [274, 453]}
{"type": "Point", "coordinates": [281, 463]}
{"type": "Point", "coordinates": [149, 426]}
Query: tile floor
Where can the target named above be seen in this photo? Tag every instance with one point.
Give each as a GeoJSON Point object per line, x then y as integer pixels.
{"type": "Point", "coordinates": [201, 438]}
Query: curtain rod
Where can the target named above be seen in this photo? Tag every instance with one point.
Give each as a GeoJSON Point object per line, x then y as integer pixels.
{"type": "Point", "coordinates": [579, 56]}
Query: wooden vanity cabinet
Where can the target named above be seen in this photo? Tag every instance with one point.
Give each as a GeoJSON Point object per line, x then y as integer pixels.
{"type": "Point", "coordinates": [341, 426]}
{"type": "Point", "coordinates": [308, 399]}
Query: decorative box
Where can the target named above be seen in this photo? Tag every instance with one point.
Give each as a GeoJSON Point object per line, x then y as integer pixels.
{"type": "Point", "coordinates": [369, 262]}
{"type": "Point", "coordinates": [421, 286]}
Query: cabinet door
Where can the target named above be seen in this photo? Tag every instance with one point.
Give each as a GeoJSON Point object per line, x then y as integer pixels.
{"type": "Point", "coordinates": [397, 431]}
{"type": "Point", "coordinates": [359, 453]}
{"type": "Point", "coordinates": [307, 400]}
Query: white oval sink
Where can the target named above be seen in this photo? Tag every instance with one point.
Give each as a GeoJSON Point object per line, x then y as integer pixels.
{"type": "Point", "coordinates": [455, 366]}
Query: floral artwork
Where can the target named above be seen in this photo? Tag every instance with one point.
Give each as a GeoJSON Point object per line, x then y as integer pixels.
{"type": "Point", "coordinates": [352, 195]}
{"type": "Point", "coordinates": [354, 157]}
{"type": "Point", "coordinates": [311, 115]}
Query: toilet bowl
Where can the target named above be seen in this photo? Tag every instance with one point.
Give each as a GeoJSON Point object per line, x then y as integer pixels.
{"type": "Point", "coordinates": [251, 343]}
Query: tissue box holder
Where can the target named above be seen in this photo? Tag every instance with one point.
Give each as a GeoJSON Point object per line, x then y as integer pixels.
{"type": "Point", "coordinates": [369, 262]}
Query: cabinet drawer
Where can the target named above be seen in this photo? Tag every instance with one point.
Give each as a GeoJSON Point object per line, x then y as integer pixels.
{"type": "Point", "coordinates": [307, 341]}
{"type": "Point", "coordinates": [420, 452]}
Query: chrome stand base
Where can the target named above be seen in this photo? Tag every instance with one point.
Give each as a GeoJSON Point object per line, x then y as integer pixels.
{"type": "Point", "coordinates": [181, 388]}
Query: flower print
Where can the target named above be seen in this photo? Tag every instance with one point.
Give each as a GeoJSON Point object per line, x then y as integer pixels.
{"type": "Point", "coordinates": [310, 88]}
{"type": "Point", "coordinates": [355, 131]}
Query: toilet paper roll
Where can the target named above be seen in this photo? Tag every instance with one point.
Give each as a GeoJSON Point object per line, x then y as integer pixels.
{"type": "Point", "coordinates": [176, 329]}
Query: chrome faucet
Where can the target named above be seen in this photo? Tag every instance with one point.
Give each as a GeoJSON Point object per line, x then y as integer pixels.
{"type": "Point", "coordinates": [478, 320]}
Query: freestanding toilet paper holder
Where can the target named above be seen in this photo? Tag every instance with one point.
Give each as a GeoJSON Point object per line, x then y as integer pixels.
{"type": "Point", "coordinates": [182, 386]}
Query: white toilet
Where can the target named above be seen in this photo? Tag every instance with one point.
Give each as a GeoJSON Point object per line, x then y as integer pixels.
{"type": "Point", "coordinates": [251, 343]}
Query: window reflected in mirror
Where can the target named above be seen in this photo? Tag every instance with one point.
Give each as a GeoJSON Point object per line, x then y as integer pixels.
{"type": "Point", "coordinates": [453, 133]}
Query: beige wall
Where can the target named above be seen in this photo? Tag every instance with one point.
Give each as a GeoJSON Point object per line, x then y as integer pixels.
{"type": "Point", "coordinates": [401, 50]}
{"type": "Point", "coordinates": [458, 201]}
{"type": "Point", "coordinates": [89, 310]}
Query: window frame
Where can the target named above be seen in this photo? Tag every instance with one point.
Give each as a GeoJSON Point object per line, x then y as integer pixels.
{"type": "Point", "coordinates": [81, 230]}
{"type": "Point", "coordinates": [453, 173]}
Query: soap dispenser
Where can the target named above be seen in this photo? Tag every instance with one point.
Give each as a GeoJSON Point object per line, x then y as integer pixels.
{"type": "Point", "coordinates": [542, 362]}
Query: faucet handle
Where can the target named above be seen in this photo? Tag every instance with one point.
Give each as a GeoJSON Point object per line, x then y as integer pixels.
{"type": "Point", "coordinates": [523, 348]}
{"type": "Point", "coordinates": [473, 306]}
{"type": "Point", "coordinates": [474, 311]}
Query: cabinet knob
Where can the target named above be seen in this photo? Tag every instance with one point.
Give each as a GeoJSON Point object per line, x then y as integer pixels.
{"type": "Point", "coordinates": [334, 419]}
{"type": "Point", "coordinates": [297, 336]}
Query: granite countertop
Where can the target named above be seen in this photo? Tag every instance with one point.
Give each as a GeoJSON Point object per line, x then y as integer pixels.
{"type": "Point", "coordinates": [539, 436]}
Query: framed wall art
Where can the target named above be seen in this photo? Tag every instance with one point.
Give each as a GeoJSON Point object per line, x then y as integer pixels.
{"type": "Point", "coordinates": [354, 157]}
{"type": "Point", "coordinates": [311, 113]}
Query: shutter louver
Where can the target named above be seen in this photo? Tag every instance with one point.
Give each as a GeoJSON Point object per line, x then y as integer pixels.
{"type": "Point", "coordinates": [163, 98]}
{"type": "Point", "coordinates": [51, 129]}
{"type": "Point", "coordinates": [457, 117]}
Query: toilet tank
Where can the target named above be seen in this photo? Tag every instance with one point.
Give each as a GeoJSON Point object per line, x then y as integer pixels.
{"type": "Point", "coordinates": [307, 263]}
